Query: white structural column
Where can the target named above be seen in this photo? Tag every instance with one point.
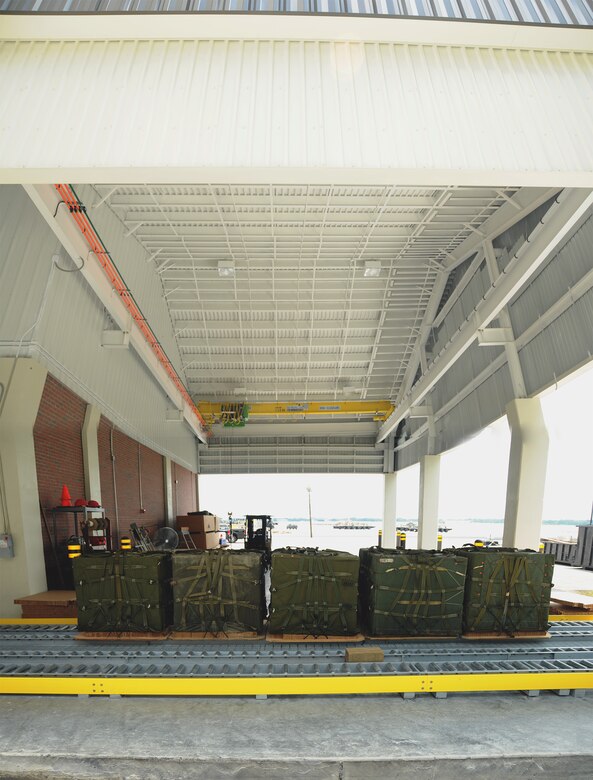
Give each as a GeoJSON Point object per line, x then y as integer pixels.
{"type": "Point", "coordinates": [389, 510]}
{"type": "Point", "coordinates": [21, 387]}
{"type": "Point", "coordinates": [90, 453]}
{"type": "Point", "coordinates": [428, 512]}
{"type": "Point", "coordinates": [527, 474]}
{"type": "Point", "coordinates": [168, 482]}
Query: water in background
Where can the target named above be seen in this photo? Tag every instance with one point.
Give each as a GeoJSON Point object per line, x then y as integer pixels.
{"type": "Point", "coordinates": [325, 536]}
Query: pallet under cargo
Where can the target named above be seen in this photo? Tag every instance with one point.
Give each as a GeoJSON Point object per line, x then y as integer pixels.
{"type": "Point", "coordinates": [238, 636]}
{"type": "Point", "coordinates": [122, 636]}
{"type": "Point", "coordinates": [311, 638]}
{"type": "Point", "coordinates": [502, 635]}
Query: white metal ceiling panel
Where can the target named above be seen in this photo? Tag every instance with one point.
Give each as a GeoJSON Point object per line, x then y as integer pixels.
{"type": "Point", "coordinates": [193, 110]}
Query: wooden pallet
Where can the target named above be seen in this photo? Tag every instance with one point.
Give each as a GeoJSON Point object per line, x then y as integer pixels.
{"type": "Point", "coordinates": [319, 639]}
{"type": "Point", "coordinates": [123, 636]}
{"type": "Point", "coordinates": [201, 635]}
{"type": "Point", "coordinates": [573, 600]}
{"type": "Point", "coordinates": [423, 637]}
{"type": "Point", "coordinates": [561, 609]}
{"type": "Point", "coordinates": [501, 635]}
{"type": "Point", "coordinates": [49, 604]}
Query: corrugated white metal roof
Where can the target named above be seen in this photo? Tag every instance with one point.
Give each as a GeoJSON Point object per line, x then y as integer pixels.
{"type": "Point", "coordinates": [531, 11]}
{"type": "Point", "coordinates": [200, 110]}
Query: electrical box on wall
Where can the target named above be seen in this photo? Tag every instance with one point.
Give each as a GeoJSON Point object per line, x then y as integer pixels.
{"type": "Point", "coordinates": [6, 548]}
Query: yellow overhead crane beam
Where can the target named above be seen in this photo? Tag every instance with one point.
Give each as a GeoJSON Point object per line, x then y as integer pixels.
{"type": "Point", "coordinates": [237, 414]}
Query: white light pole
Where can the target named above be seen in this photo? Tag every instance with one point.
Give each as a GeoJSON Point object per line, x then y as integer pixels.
{"type": "Point", "coordinates": [310, 518]}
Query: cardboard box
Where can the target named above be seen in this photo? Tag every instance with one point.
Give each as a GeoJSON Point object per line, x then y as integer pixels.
{"type": "Point", "coordinates": [364, 655]}
{"type": "Point", "coordinates": [199, 523]}
{"type": "Point", "coordinates": [206, 541]}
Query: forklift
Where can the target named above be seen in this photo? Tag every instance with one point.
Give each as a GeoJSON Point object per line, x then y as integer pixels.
{"type": "Point", "coordinates": [258, 535]}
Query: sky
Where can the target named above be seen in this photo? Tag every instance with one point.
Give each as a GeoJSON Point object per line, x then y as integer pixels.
{"type": "Point", "coordinates": [473, 475]}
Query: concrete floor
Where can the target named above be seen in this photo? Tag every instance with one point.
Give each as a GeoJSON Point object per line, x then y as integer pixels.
{"type": "Point", "coordinates": [572, 578]}
{"type": "Point", "coordinates": [496, 736]}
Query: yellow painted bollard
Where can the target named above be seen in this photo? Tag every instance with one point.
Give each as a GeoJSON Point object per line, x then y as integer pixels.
{"type": "Point", "coordinates": [478, 543]}
{"type": "Point", "coordinates": [380, 540]}
{"type": "Point", "coordinates": [74, 551]}
{"type": "Point", "coordinates": [440, 542]}
{"type": "Point", "coordinates": [125, 543]}
{"type": "Point", "coordinates": [542, 547]}
{"type": "Point", "coordinates": [402, 541]}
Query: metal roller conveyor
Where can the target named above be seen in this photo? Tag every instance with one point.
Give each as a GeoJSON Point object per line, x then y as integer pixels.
{"type": "Point", "coordinates": [49, 659]}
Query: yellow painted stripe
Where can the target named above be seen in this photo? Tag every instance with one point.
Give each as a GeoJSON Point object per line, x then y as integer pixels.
{"type": "Point", "coordinates": [581, 616]}
{"type": "Point", "coordinates": [287, 686]}
{"type": "Point", "coordinates": [38, 621]}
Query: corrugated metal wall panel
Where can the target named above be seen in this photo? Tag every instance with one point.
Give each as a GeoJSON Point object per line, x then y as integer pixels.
{"type": "Point", "coordinates": [477, 410]}
{"type": "Point", "coordinates": [68, 337]}
{"type": "Point", "coordinates": [561, 347]}
{"type": "Point", "coordinates": [543, 12]}
{"type": "Point", "coordinates": [22, 281]}
{"type": "Point", "coordinates": [411, 453]}
{"type": "Point", "coordinates": [353, 105]}
{"type": "Point", "coordinates": [285, 455]}
{"type": "Point", "coordinates": [558, 275]}
{"type": "Point", "coordinates": [133, 262]}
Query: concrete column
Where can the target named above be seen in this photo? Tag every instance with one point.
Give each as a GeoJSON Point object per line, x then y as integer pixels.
{"type": "Point", "coordinates": [389, 510]}
{"type": "Point", "coordinates": [168, 482]}
{"type": "Point", "coordinates": [428, 513]}
{"type": "Point", "coordinates": [90, 454]}
{"type": "Point", "coordinates": [22, 384]}
{"type": "Point", "coordinates": [527, 474]}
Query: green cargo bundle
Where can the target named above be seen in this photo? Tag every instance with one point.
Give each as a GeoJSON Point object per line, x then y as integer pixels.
{"type": "Point", "coordinates": [218, 591]}
{"type": "Point", "coordinates": [411, 592]}
{"type": "Point", "coordinates": [314, 592]}
{"type": "Point", "coordinates": [123, 591]}
{"type": "Point", "coordinates": [506, 590]}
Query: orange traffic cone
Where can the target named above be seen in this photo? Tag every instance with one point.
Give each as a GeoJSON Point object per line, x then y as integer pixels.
{"type": "Point", "coordinates": [66, 500]}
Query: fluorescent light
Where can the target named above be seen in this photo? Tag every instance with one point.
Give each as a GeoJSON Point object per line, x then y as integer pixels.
{"type": "Point", "coordinates": [240, 390]}
{"type": "Point", "coordinates": [115, 339]}
{"type": "Point", "coordinates": [372, 268]}
{"type": "Point", "coordinates": [226, 267]}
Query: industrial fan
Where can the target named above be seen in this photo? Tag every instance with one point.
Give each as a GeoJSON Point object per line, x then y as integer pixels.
{"type": "Point", "coordinates": [165, 539]}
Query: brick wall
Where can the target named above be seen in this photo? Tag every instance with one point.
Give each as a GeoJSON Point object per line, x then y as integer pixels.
{"type": "Point", "coordinates": [138, 473]}
{"type": "Point", "coordinates": [184, 490]}
{"type": "Point", "coordinates": [138, 470]}
{"type": "Point", "coordinates": [57, 434]}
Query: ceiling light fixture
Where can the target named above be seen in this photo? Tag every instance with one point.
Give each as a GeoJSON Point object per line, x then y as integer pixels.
{"type": "Point", "coordinates": [226, 268]}
{"type": "Point", "coordinates": [372, 268]}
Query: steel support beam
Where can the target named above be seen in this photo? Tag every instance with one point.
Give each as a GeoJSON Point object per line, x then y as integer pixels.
{"type": "Point", "coordinates": [570, 207]}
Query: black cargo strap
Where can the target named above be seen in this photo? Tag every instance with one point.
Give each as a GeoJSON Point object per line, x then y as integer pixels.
{"type": "Point", "coordinates": [128, 607]}
{"type": "Point", "coordinates": [316, 613]}
{"type": "Point", "coordinates": [422, 596]}
{"type": "Point", "coordinates": [511, 568]}
{"type": "Point", "coordinates": [205, 594]}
